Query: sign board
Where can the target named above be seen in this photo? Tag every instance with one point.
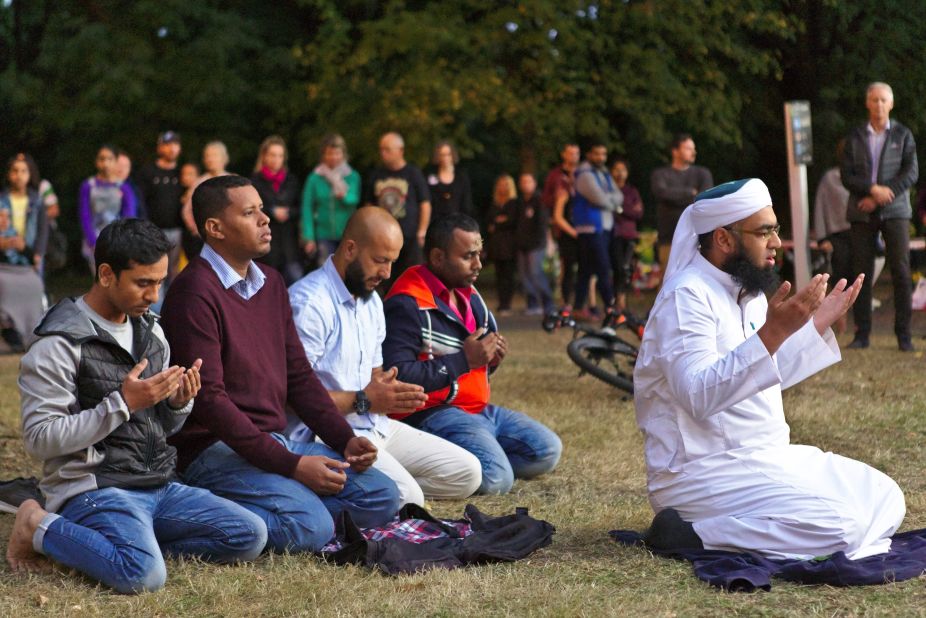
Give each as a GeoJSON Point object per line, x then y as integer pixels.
{"type": "Point", "coordinates": [798, 127]}
{"type": "Point", "coordinates": [800, 153]}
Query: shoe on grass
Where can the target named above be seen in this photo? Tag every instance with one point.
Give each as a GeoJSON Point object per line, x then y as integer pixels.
{"type": "Point", "coordinates": [15, 492]}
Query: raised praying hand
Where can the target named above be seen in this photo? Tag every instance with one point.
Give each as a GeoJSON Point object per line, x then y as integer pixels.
{"type": "Point", "coordinates": [837, 303]}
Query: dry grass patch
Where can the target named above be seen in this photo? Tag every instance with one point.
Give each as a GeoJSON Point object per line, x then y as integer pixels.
{"type": "Point", "coordinates": [870, 407]}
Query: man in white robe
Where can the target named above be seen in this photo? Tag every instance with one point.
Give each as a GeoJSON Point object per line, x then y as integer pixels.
{"type": "Point", "coordinates": [721, 471]}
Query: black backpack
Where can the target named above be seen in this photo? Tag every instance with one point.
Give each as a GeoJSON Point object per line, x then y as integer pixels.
{"type": "Point", "coordinates": [491, 539]}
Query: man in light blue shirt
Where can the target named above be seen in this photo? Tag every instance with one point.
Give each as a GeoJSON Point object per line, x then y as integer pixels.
{"type": "Point", "coordinates": [340, 322]}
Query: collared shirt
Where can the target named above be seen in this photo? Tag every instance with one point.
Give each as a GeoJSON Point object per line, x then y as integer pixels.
{"type": "Point", "coordinates": [875, 146]}
{"type": "Point", "coordinates": [342, 337]}
{"type": "Point", "coordinates": [463, 296]}
{"type": "Point", "coordinates": [244, 287]}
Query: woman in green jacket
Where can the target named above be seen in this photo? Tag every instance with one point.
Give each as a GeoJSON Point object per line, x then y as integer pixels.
{"type": "Point", "coordinates": [331, 194]}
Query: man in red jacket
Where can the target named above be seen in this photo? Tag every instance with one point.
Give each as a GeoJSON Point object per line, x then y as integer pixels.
{"type": "Point", "coordinates": [235, 315]}
{"type": "Point", "coordinates": [440, 334]}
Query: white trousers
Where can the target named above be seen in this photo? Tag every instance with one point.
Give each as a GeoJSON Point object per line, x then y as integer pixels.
{"type": "Point", "coordinates": [785, 502]}
{"type": "Point", "coordinates": [422, 464]}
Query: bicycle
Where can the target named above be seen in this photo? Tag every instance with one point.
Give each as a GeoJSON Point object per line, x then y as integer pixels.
{"type": "Point", "coordinates": [601, 352]}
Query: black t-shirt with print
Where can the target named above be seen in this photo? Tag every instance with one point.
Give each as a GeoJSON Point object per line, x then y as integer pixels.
{"type": "Point", "coordinates": [161, 192]}
{"type": "Point", "coordinates": [401, 193]}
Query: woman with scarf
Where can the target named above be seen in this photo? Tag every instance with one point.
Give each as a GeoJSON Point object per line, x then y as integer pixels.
{"type": "Point", "coordinates": [331, 194]}
{"type": "Point", "coordinates": [279, 191]}
{"type": "Point", "coordinates": [23, 237]}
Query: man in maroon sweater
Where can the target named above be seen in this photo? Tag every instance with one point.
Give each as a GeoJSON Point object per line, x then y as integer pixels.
{"type": "Point", "coordinates": [235, 315]}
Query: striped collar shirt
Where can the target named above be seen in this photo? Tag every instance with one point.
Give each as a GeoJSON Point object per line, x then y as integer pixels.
{"type": "Point", "coordinates": [245, 287]}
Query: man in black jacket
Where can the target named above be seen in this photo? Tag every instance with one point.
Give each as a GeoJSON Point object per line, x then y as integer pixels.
{"type": "Point", "coordinates": [878, 168]}
{"type": "Point", "coordinates": [99, 399]}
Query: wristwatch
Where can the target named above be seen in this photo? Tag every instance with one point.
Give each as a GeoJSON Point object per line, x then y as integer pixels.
{"type": "Point", "coordinates": [361, 403]}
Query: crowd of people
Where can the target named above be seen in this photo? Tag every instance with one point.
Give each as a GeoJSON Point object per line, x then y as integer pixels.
{"type": "Point", "coordinates": [586, 213]}
{"type": "Point", "coordinates": [375, 367]}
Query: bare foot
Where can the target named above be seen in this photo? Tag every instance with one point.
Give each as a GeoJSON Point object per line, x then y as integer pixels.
{"type": "Point", "coordinates": [19, 552]}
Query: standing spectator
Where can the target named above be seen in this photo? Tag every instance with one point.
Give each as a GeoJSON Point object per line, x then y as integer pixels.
{"type": "Point", "coordinates": [501, 222]}
{"type": "Point", "coordinates": [449, 185]}
{"type": "Point", "coordinates": [124, 175]}
{"type": "Point", "coordinates": [624, 241]}
{"type": "Point", "coordinates": [102, 200]}
{"type": "Point", "coordinates": [400, 188]}
{"type": "Point", "coordinates": [674, 187]}
{"type": "Point", "coordinates": [215, 159]}
{"type": "Point", "coordinates": [878, 168]}
{"type": "Point", "coordinates": [279, 190]}
{"type": "Point", "coordinates": [531, 229]}
{"type": "Point", "coordinates": [557, 197]}
{"type": "Point", "coordinates": [161, 191]}
{"type": "Point", "coordinates": [189, 176]}
{"type": "Point", "coordinates": [22, 246]}
{"type": "Point", "coordinates": [331, 195]}
{"type": "Point", "coordinates": [597, 201]}
{"type": "Point", "coordinates": [831, 226]}
{"type": "Point", "coordinates": [56, 251]}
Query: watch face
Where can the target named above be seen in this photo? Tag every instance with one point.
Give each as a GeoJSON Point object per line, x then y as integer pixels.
{"type": "Point", "coordinates": [361, 403]}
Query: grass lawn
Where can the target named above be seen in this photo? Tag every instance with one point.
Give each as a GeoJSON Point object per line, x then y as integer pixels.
{"type": "Point", "coordinates": [870, 407]}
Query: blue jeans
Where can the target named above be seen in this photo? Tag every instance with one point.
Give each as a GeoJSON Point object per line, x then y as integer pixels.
{"type": "Point", "coordinates": [297, 518]}
{"type": "Point", "coordinates": [535, 282]}
{"type": "Point", "coordinates": [118, 536]}
{"type": "Point", "coordinates": [508, 444]}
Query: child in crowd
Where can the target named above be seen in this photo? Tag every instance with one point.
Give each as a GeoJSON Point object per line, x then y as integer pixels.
{"type": "Point", "coordinates": [102, 200]}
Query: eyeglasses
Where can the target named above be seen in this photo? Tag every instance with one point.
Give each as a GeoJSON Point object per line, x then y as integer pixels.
{"type": "Point", "coordinates": [764, 232]}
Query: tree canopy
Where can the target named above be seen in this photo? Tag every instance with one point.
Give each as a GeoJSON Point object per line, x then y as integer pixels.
{"type": "Point", "coordinates": [509, 82]}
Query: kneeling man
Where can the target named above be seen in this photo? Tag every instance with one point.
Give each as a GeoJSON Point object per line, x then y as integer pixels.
{"type": "Point", "coordinates": [441, 335]}
{"type": "Point", "coordinates": [99, 398]}
{"type": "Point", "coordinates": [715, 356]}
{"type": "Point", "coordinates": [340, 321]}
{"type": "Point", "coordinates": [234, 314]}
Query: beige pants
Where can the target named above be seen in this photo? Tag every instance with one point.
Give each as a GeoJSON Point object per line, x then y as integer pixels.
{"type": "Point", "coordinates": [423, 465]}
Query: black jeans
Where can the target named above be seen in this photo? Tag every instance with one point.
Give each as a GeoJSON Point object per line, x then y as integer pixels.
{"type": "Point", "coordinates": [569, 257]}
{"type": "Point", "coordinates": [622, 263]}
{"type": "Point", "coordinates": [505, 282]}
{"type": "Point", "coordinates": [410, 255]}
{"type": "Point", "coordinates": [594, 259]}
{"type": "Point", "coordinates": [897, 248]}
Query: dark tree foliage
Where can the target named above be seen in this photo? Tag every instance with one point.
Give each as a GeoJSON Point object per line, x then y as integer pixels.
{"type": "Point", "coordinates": [507, 81]}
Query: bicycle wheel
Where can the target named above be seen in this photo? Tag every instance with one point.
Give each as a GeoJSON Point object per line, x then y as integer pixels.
{"type": "Point", "coordinates": [609, 362]}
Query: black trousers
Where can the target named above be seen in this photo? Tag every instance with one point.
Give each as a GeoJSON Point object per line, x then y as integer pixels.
{"type": "Point", "coordinates": [594, 259]}
{"type": "Point", "coordinates": [622, 263]}
{"type": "Point", "coordinates": [505, 282]}
{"type": "Point", "coordinates": [410, 255]}
{"type": "Point", "coordinates": [569, 259]}
{"type": "Point", "coordinates": [897, 249]}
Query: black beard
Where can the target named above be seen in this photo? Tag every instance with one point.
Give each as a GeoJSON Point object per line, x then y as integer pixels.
{"type": "Point", "coordinates": [355, 283]}
{"type": "Point", "coordinates": [753, 279]}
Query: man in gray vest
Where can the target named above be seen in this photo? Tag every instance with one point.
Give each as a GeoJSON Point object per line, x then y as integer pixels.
{"type": "Point", "coordinates": [99, 399]}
